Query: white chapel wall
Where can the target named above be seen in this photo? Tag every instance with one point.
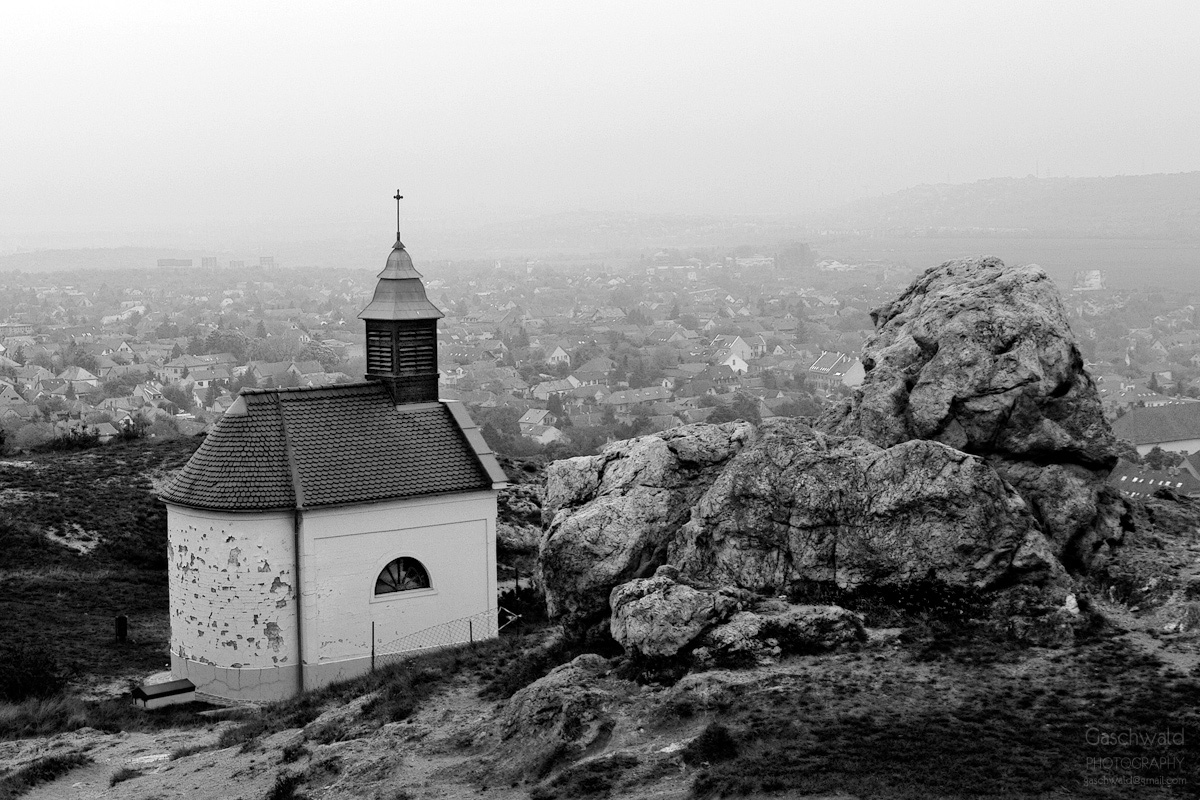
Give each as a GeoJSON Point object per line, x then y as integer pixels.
{"type": "Point", "coordinates": [233, 591]}
{"type": "Point", "coordinates": [233, 602]}
{"type": "Point", "coordinates": [344, 550]}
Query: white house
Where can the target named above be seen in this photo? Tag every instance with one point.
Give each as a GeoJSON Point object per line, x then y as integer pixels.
{"type": "Point", "coordinates": [317, 529]}
{"type": "Point", "coordinates": [735, 345]}
{"type": "Point", "coordinates": [534, 418]}
{"type": "Point", "coordinates": [542, 434]}
{"type": "Point", "coordinates": [834, 369]}
{"type": "Point", "coordinates": [1170, 427]}
{"type": "Point", "coordinates": [559, 356]}
{"type": "Point", "coordinates": [731, 359]}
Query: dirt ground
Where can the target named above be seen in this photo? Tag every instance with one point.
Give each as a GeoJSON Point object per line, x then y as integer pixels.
{"type": "Point", "coordinates": [440, 751]}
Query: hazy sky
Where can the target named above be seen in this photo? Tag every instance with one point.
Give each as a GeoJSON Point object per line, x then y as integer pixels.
{"type": "Point", "coordinates": [141, 115]}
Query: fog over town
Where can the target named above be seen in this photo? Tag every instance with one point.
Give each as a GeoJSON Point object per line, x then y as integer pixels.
{"type": "Point", "coordinates": [222, 126]}
{"type": "Point", "coordinates": [553, 400]}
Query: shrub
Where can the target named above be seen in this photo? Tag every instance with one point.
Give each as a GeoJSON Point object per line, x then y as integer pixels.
{"type": "Point", "coordinates": [527, 603]}
{"type": "Point", "coordinates": [190, 750]}
{"type": "Point", "coordinates": [516, 673]}
{"type": "Point", "coordinates": [293, 752]}
{"type": "Point", "coordinates": [328, 733]}
{"type": "Point", "coordinates": [30, 670]}
{"type": "Point", "coordinates": [75, 439]}
{"type": "Point", "coordinates": [679, 709]}
{"type": "Point", "coordinates": [285, 787]}
{"type": "Point", "coordinates": [597, 777]}
{"type": "Point", "coordinates": [47, 716]}
{"type": "Point", "coordinates": [123, 774]}
{"type": "Point", "coordinates": [246, 735]}
{"type": "Point", "coordinates": [713, 745]}
{"type": "Point", "coordinates": [324, 770]}
{"type": "Point", "coordinates": [31, 436]}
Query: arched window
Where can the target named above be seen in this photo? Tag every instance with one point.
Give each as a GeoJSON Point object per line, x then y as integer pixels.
{"type": "Point", "coordinates": [402, 575]}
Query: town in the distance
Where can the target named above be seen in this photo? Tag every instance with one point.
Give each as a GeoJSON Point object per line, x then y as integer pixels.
{"type": "Point", "coordinates": [551, 357]}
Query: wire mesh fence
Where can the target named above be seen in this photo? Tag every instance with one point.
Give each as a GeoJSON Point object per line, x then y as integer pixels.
{"type": "Point", "coordinates": [484, 625]}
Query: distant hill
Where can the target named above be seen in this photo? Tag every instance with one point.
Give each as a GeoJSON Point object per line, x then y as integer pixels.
{"type": "Point", "coordinates": [573, 233]}
{"type": "Point", "coordinates": [577, 232]}
{"type": "Point", "coordinates": [1135, 206]}
{"type": "Point", "coordinates": [97, 258]}
{"type": "Point", "coordinates": [1160, 207]}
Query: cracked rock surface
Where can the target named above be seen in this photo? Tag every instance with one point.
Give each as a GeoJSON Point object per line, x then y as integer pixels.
{"type": "Point", "coordinates": [980, 357]}
{"type": "Point", "coordinates": [975, 455]}
{"type": "Point", "coordinates": [800, 506]}
{"type": "Point", "coordinates": [610, 517]}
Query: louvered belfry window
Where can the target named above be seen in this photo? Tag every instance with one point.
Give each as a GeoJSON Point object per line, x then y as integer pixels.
{"type": "Point", "coordinates": [403, 354]}
{"type": "Point", "coordinates": [379, 350]}
{"type": "Point", "coordinates": [404, 348]}
{"type": "Point", "coordinates": [416, 348]}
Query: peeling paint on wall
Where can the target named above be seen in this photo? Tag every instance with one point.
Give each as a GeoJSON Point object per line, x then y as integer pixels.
{"type": "Point", "coordinates": [221, 600]}
{"type": "Point", "coordinates": [253, 614]}
{"type": "Point", "coordinates": [274, 636]}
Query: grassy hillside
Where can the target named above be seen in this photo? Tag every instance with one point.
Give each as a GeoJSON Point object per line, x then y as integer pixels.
{"type": "Point", "coordinates": [84, 540]}
{"type": "Point", "coordinates": [937, 709]}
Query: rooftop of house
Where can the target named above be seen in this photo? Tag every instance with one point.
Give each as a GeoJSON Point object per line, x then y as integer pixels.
{"type": "Point", "coordinates": [330, 446]}
{"type": "Point", "coordinates": [1137, 480]}
{"type": "Point", "coordinates": [1169, 423]}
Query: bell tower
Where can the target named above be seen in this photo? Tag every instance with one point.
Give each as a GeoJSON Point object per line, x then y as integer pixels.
{"type": "Point", "coordinates": [402, 330]}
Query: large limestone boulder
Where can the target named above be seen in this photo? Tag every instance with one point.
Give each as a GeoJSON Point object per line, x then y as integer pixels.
{"type": "Point", "coordinates": [774, 629]}
{"type": "Point", "coordinates": [974, 454]}
{"type": "Point", "coordinates": [981, 358]}
{"type": "Point", "coordinates": [609, 517]}
{"type": "Point", "coordinates": [658, 617]}
{"type": "Point", "coordinates": [557, 717]}
{"type": "Point", "coordinates": [799, 507]}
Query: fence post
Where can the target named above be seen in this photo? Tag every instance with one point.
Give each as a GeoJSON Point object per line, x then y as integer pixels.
{"type": "Point", "coordinates": [372, 645]}
{"type": "Point", "coordinates": [471, 630]}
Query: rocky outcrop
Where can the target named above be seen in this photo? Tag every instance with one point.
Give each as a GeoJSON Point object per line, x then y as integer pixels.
{"type": "Point", "coordinates": [557, 717]}
{"type": "Point", "coordinates": [519, 518]}
{"type": "Point", "coordinates": [610, 517]}
{"type": "Point", "coordinates": [658, 617]}
{"type": "Point", "coordinates": [774, 629]}
{"type": "Point", "coordinates": [973, 458]}
{"type": "Point", "coordinates": [980, 357]}
{"type": "Point", "coordinates": [799, 507]}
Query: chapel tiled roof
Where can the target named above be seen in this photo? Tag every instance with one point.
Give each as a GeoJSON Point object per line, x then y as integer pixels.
{"type": "Point", "coordinates": [334, 445]}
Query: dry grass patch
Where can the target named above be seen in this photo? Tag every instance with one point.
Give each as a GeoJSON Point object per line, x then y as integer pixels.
{"type": "Point", "coordinates": [956, 728]}
{"type": "Point", "coordinates": [14, 783]}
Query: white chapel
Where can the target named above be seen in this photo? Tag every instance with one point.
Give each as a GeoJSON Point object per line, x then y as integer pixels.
{"type": "Point", "coordinates": [316, 528]}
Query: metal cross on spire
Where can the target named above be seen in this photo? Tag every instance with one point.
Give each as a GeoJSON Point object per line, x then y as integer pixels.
{"type": "Point", "coordinates": [398, 197]}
